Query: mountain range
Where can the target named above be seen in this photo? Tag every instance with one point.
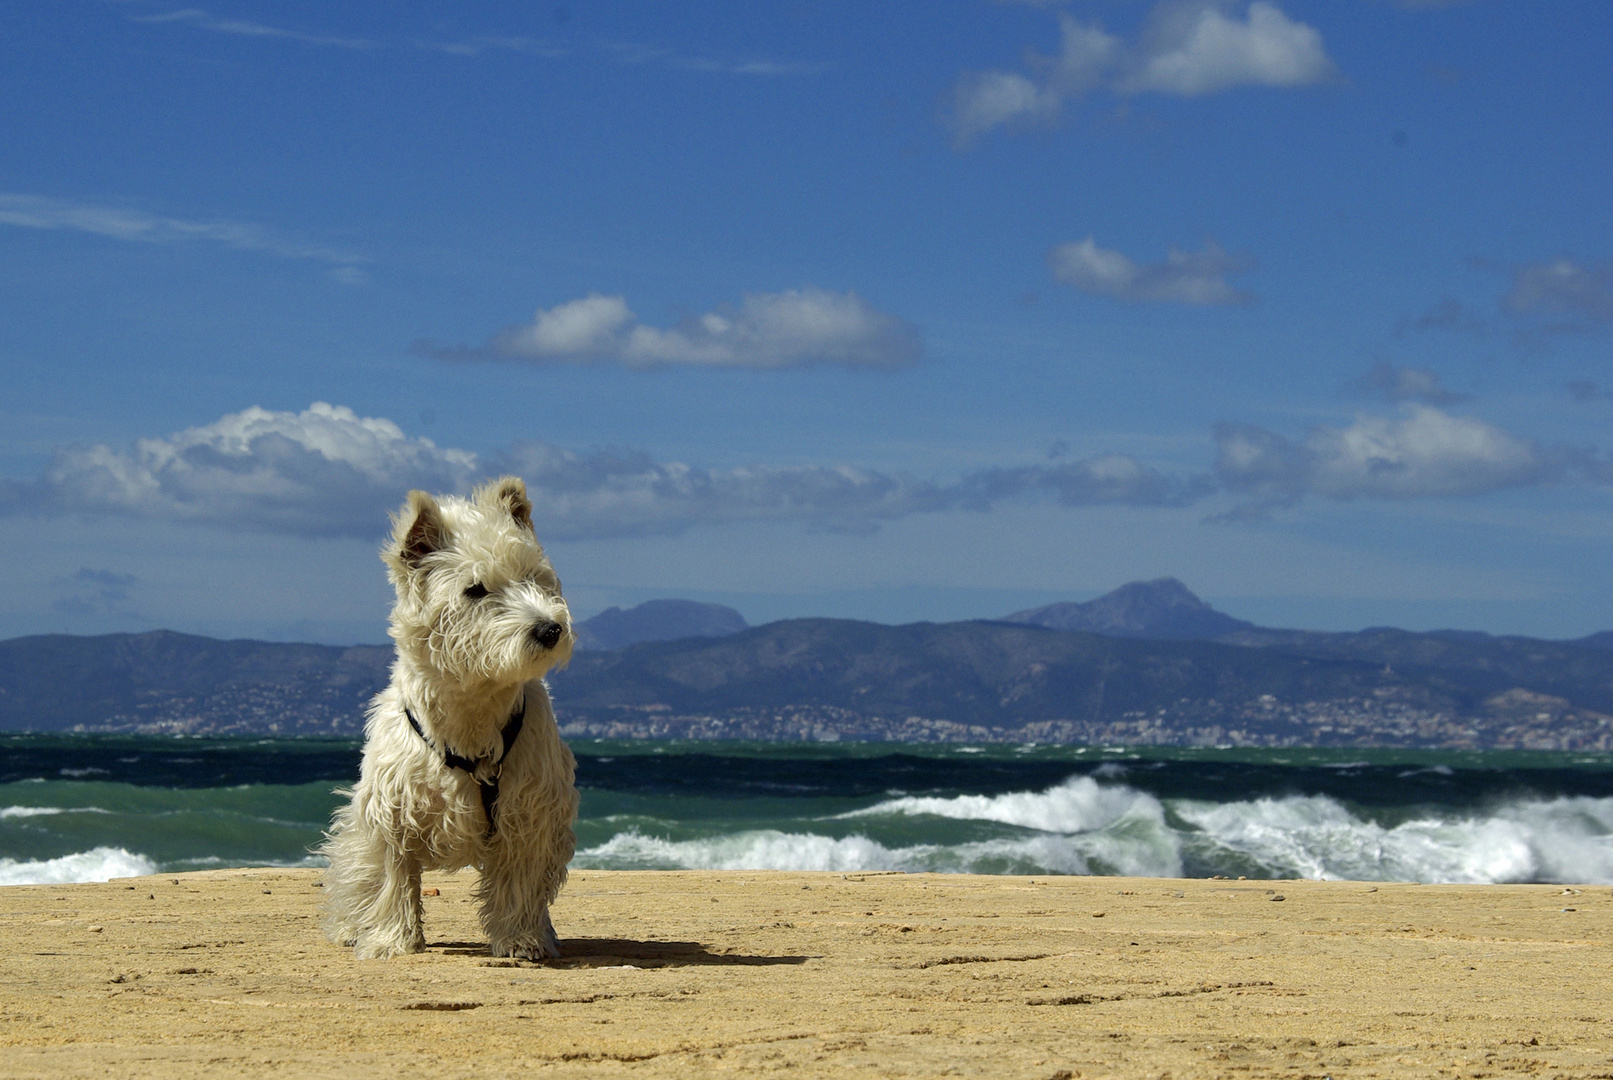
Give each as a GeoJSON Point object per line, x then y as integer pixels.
{"type": "Point", "coordinates": [1148, 663]}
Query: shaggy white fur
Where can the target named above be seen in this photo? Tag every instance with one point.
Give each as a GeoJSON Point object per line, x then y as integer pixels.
{"type": "Point", "coordinates": [478, 621]}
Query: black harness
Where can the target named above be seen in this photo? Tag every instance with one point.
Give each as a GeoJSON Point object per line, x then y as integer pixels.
{"type": "Point", "coordinates": [512, 729]}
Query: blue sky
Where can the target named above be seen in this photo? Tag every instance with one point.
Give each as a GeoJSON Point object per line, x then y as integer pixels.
{"type": "Point", "coordinates": [896, 311]}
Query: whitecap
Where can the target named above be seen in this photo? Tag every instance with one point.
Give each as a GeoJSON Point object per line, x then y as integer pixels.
{"type": "Point", "coordinates": [1564, 839]}
{"type": "Point", "coordinates": [97, 864]}
{"type": "Point", "coordinates": [1080, 804]}
{"type": "Point", "coordinates": [1149, 853]}
{"type": "Point", "coordinates": [47, 811]}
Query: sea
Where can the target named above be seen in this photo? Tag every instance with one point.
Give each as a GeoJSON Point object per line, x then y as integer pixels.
{"type": "Point", "coordinates": [94, 807]}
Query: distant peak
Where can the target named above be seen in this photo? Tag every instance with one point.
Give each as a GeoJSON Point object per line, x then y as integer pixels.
{"type": "Point", "coordinates": [1163, 608]}
{"type": "Point", "coordinates": [657, 620]}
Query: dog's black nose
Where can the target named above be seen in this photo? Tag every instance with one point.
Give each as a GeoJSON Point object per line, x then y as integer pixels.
{"type": "Point", "coordinates": [547, 634]}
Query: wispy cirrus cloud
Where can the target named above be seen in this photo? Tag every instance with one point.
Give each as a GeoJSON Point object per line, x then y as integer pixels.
{"type": "Point", "coordinates": [468, 45]}
{"type": "Point", "coordinates": [205, 20]}
{"type": "Point", "coordinates": [139, 226]}
{"type": "Point", "coordinates": [1184, 277]}
{"type": "Point", "coordinates": [636, 54]}
{"type": "Point", "coordinates": [793, 328]}
{"type": "Point", "coordinates": [1188, 48]}
{"type": "Point", "coordinates": [476, 44]}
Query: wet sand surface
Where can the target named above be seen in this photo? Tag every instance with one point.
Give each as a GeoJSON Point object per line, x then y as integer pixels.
{"type": "Point", "coordinates": [224, 973]}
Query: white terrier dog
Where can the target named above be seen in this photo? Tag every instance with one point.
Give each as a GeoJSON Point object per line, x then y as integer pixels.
{"type": "Point", "coordinates": [463, 762]}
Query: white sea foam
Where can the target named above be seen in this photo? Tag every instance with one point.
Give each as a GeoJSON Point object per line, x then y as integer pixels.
{"type": "Point", "coordinates": [770, 849]}
{"type": "Point", "coordinates": [1083, 827]}
{"type": "Point", "coordinates": [1564, 839]}
{"type": "Point", "coordinates": [1078, 805]}
{"type": "Point", "coordinates": [97, 864]}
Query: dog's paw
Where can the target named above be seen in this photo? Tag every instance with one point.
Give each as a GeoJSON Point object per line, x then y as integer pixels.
{"type": "Point", "coordinates": [378, 947]}
{"type": "Point", "coordinates": [545, 947]}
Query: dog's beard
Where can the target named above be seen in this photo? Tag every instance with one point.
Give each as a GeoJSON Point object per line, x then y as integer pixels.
{"type": "Point", "coordinates": [496, 639]}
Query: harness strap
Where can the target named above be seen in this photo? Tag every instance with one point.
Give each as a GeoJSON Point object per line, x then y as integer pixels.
{"type": "Point", "coordinates": [511, 730]}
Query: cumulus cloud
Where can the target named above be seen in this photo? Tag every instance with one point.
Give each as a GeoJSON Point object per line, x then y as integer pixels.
{"type": "Point", "coordinates": [1397, 384]}
{"type": "Point", "coordinates": [324, 471]}
{"type": "Point", "coordinates": [1185, 277]}
{"type": "Point", "coordinates": [137, 226]}
{"type": "Point", "coordinates": [766, 330]}
{"type": "Point", "coordinates": [328, 471]}
{"type": "Point", "coordinates": [1423, 453]}
{"type": "Point", "coordinates": [1188, 48]}
{"type": "Point", "coordinates": [1196, 47]}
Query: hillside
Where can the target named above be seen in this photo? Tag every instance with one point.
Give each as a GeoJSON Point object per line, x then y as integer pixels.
{"type": "Point", "coordinates": [827, 678]}
{"type": "Point", "coordinates": [165, 681]}
{"type": "Point", "coordinates": [840, 679]}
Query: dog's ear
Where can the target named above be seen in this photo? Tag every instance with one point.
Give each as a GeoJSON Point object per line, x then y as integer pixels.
{"type": "Point", "coordinates": [419, 530]}
{"type": "Point", "coordinates": [510, 493]}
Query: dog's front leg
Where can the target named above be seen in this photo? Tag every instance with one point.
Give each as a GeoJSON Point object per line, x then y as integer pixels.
{"type": "Point", "coordinates": [395, 923]}
{"type": "Point", "coordinates": [515, 892]}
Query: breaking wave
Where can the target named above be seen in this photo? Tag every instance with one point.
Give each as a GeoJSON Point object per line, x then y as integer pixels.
{"type": "Point", "coordinates": [98, 864]}
{"type": "Point", "coordinates": [770, 849]}
{"type": "Point", "coordinates": [1084, 827]}
{"type": "Point", "coordinates": [1561, 840]}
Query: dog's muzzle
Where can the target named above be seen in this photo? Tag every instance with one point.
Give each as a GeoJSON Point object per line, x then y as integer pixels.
{"type": "Point", "coordinates": [547, 634]}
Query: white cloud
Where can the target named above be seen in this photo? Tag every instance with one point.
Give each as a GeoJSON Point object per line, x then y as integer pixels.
{"type": "Point", "coordinates": [324, 471]}
{"type": "Point", "coordinates": [625, 493]}
{"type": "Point", "coordinates": [1189, 48]}
{"type": "Point", "coordinates": [1195, 48]}
{"type": "Point", "coordinates": [1186, 277]}
{"type": "Point", "coordinates": [1424, 453]}
{"type": "Point", "coordinates": [767, 330]}
{"type": "Point", "coordinates": [328, 471]}
{"type": "Point", "coordinates": [137, 226]}
{"type": "Point", "coordinates": [1427, 452]}
{"type": "Point", "coordinates": [985, 99]}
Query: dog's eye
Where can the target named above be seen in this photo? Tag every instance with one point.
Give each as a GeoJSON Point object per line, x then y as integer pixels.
{"type": "Point", "coordinates": [476, 591]}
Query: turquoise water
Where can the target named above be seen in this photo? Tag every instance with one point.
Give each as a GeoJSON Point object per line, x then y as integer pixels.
{"type": "Point", "coordinates": [92, 807]}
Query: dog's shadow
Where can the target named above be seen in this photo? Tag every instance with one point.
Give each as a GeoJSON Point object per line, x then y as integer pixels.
{"type": "Point", "coordinates": [620, 952]}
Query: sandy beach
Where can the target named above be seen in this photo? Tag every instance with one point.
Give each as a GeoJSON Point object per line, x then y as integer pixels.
{"type": "Point", "coordinates": [686, 974]}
